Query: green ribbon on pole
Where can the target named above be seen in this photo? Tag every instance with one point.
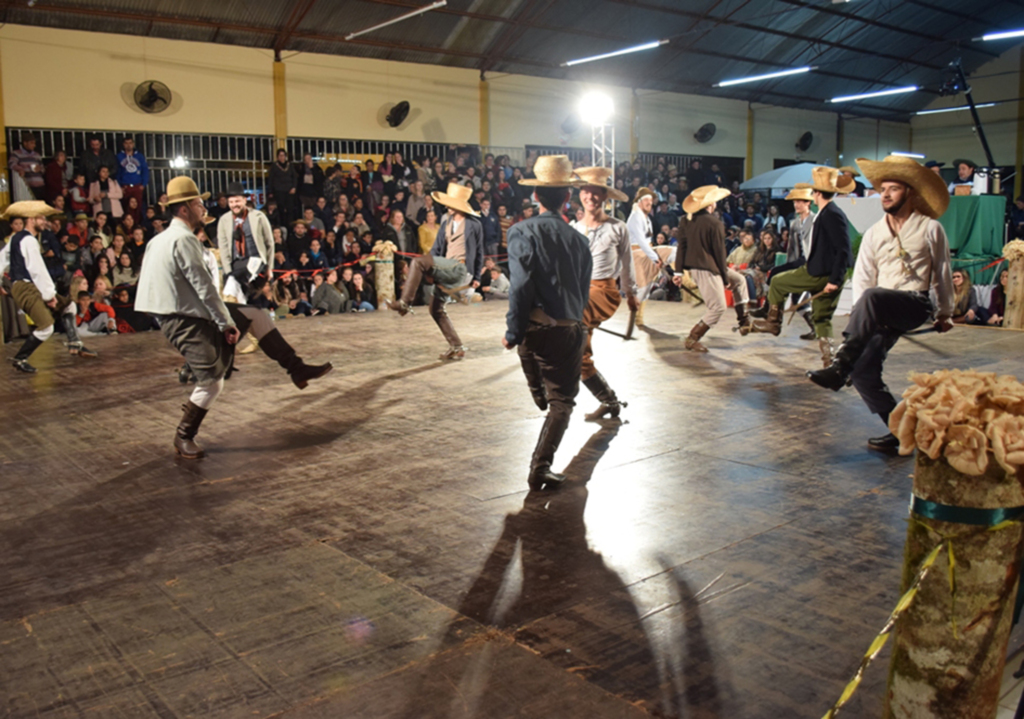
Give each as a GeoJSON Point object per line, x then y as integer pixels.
{"type": "Point", "coordinates": [964, 515]}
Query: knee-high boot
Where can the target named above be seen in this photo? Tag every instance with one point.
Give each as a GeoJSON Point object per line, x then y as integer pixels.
{"type": "Point", "coordinates": [184, 437]}
{"type": "Point", "coordinates": [456, 350]}
{"type": "Point", "coordinates": [75, 345]}
{"type": "Point", "coordinates": [20, 360]}
{"type": "Point", "coordinates": [544, 454]}
{"type": "Point", "coordinates": [531, 370]}
{"type": "Point", "coordinates": [610, 403]}
{"type": "Point", "coordinates": [277, 348]}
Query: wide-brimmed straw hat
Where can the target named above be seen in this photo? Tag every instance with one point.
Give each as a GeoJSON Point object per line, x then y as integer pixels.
{"type": "Point", "coordinates": [552, 171]}
{"type": "Point", "coordinates": [598, 177]}
{"type": "Point", "coordinates": [800, 191]}
{"type": "Point", "coordinates": [931, 197]}
{"type": "Point", "coordinates": [849, 170]}
{"type": "Point", "coordinates": [456, 197]}
{"type": "Point", "coordinates": [826, 179]}
{"type": "Point", "coordinates": [702, 197]}
{"type": "Point", "coordinates": [29, 208]}
{"type": "Point", "coordinates": [183, 189]}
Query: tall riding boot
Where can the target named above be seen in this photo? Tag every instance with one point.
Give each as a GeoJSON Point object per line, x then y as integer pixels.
{"type": "Point", "coordinates": [742, 318]}
{"type": "Point", "coordinates": [418, 266]}
{"type": "Point", "coordinates": [640, 314]}
{"type": "Point", "coordinates": [76, 347]}
{"type": "Point", "coordinates": [772, 324]}
{"type": "Point", "coordinates": [184, 438]}
{"type": "Point", "coordinates": [531, 369]}
{"type": "Point", "coordinates": [699, 330]}
{"type": "Point", "coordinates": [544, 454]}
{"type": "Point", "coordinates": [456, 350]}
{"type": "Point", "coordinates": [837, 375]}
{"type": "Point", "coordinates": [827, 351]}
{"type": "Point", "coordinates": [610, 404]}
{"type": "Point", "coordinates": [277, 348]}
{"type": "Point", "coordinates": [20, 360]}
{"type": "Point", "coordinates": [810, 323]}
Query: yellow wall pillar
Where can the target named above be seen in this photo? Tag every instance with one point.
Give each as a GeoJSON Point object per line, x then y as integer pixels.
{"type": "Point", "coordinates": [280, 107]}
{"type": "Point", "coordinates": [1018, 183]}
{"type": "Point", "coordinates": [748, 171]}
{"type": "Point", "coordinates": [634, 126]}
{"type": "Point", "coordinates": [485, 112]}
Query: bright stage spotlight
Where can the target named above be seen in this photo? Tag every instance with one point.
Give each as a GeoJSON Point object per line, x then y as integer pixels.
{"type": "Point", "coordinates": [596, 108]}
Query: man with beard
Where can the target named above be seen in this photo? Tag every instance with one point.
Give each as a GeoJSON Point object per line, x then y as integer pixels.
{"type": "Point", "coordinates": [612, 255]}
{"type": "Point", "coordinates": [177, 286]}
{"type": "Point", "coordinates": [902, 257]}
{"type": "Point", "coordinates": [646, 262]}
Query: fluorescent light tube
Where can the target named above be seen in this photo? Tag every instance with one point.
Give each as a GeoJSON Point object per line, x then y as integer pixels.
{"type": "Point", "coordinates": [954, 109]}
{"type": "Point", "coordinates": [907, 154]}
{"type": "Point", "coordinates": [616, 53]}
{"type": "Point", "coordinates": [1002, 35]}
{"type": "Point", "coordinates": [768, 76]}
{"type": "Point", "coordinates": [406, 16]}
{"type": "Point", "coordinates": [881, 93]}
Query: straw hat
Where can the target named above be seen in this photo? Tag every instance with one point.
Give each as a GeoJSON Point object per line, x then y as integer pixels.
{"type": "Point", "coordinates": [29, 208]}
{"type": "Point", "coordinates": [702, 197]}
{"type": "Point", "coordinates": [456, 197]}
{"type": "Point", "coordinates": [800, 191]}
{"type": "Point", "coordinates": [848, 170]}
{"type": "Point", "coordinates": [598, 177]}
{"type": "Point", "coordinates": [826, 179]}
{"type": "Point", "coordinates": [552, 171]}
{"type": "Point", "coordinates": [183, 189]}
{"type": "Point", "coordinates": [931, 196]}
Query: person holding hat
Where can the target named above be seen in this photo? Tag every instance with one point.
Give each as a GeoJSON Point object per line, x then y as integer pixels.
{"type": "Point", "coordinates": [454, 263]}
{"type": "Point", "coordinates": [902, 257]}
{"type": "Point", "coordinates": [550, 266]}
{"type": "Point", "coordinates": [32, 286]}
{"type": "Point", "coordinates": [613, 258]}
{"type": "Point", "coordinates": [964, 174]}
{"type": "Point", "coordinates": [829, 257]}
{"type": "Point", "coordinates": [178, 287]}
{"type": "Point", "coordinates": [701, 250]}
{"type": "Point", "coordinates": [646, 262]}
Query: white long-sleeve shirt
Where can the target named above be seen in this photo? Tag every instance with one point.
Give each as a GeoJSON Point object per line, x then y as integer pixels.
{"type": "Point", "coordinates": [612, 252]}
{"type": "Point", "coordinates": [34, 263]}
{"type": "Point", "coordinates": [925, 267]}
{"type": "Point", "coordinates": [640, 232]}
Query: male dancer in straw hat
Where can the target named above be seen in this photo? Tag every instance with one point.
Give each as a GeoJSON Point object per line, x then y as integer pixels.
{"type": "Point", "coordinates": [454, 262]}
{"type": "Point", "coordinates": [613, 257]}
{"type": "Point", "coordinates": [550, 265]}
{"type": "Point", "coordinates": [646, 262]}
{"type": "Point", "coordinates": [176, 286]}
{"type": "Point", "coordinates": [829, 257]}
{"type": "Point", "coordinates": [902, 257]}
{"type": "Point", "coordinates": [32, 286]}
{"type": "Point", "coordinates": [702, 252]}
{"type": "Point", "coordinates": [246, 244]}
{"type": "Point", "coordinates": [800, 244]}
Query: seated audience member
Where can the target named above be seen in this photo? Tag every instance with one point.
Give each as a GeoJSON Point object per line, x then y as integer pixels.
{"type": "Point", "coordinates": [287, 293]}
{"type": "Point", "coordinates": [101, 290]}
{"type": "Point", "coordinates": [137, 244]}
{"type": "Point", "coordinates": [128, 319]}
{"type": "Point", "coordinates": [80, 229]}
{"type": "Point", "coordinates": [264, 298]}
{"type": "Point", "coordinates": [88, 255]}
{"type": "Point", "coordinates": [498, 287]}
{"type": "Point", "coordinates": [363, 298]}
{"type": "Point", "coordinates": [966, 308]}
{"type": "Point", "coordinates": [428, 232]}
{"type": "Point", "coordinates": [331, 250]}
{"type": "Point", "coordinates": [282, 263]}
{"type": "Point", "coordinates": [105, 195]}
{"type": "Point", "coordinates": [317, 261]}
{"type": "Point", "coordinates": [101, 228]}
{"type": "Point", "coordinates": [401, 233]}
{"type": "Point", "coordinates": [125, 272]}
{"type": "Point", "coordinates": [315, 224]}
{"type": "Point", "coordinates": [126, 225]}
{"type": "Point", "coordinates": [298, 241]}
{"type": "Point", "coordinates": [764, 261]}
{"type": "Point", "coordinates": [70, 254]}
{"type": "Point", "coordinates": [94, 317]}
{"type": "Point", "coordinates": [997, 306]}
{"type": "Point", "coordinates": [79, 196]}
{"type": "Point", "coordinates": [327, 299]}
{"type": "Point", "coordinates": [116, 247]}
{"type": "Point", "coordinates": [744, 254]}
{"type": "Point", "coordinates": [133, 210]}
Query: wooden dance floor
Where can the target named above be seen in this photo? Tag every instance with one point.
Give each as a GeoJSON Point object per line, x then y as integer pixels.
{"type": "Point", "coordinates": [368, 548]}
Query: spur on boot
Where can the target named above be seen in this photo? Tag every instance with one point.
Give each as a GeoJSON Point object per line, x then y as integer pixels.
{"type": "Point", "coordinates": [77, 349]}
{"type": "Point", "coordinates": [453, 353]}
{"type": "Point", "coordinates": [399, 306]}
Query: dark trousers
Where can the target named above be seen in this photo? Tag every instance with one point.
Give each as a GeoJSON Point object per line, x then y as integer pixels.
{"type": "Point", "coordinates": [878, 320]}
{"type": "Point", "coordinates": [552, 357]}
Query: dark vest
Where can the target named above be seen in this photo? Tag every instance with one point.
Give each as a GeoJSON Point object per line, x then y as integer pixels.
{"type": "Point", "coordinates": [250, 242]}
{"type": "Point", "coordinates": [19, 270]}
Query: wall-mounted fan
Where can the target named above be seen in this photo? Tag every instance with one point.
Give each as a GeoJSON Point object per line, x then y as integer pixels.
{"type": "Point", "coordinates": [705, 133]}
{"type": "Point", "coordinates": [398, 114]}
{"type": "Point", "coordinates": [152, 96]}
{"type": "Point", "coordinates": [805, 141]}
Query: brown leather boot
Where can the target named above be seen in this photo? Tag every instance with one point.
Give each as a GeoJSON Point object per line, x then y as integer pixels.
{"type": "Point", "coordinates": [771, 324]}
{"type": "Point", "coordinates": [610, 404]}
{"type": "Point", "coordinates": [693, 341]}
{"type": "Point", "coordinates": [400, 307]}
{"type": "Point", "coordinates": [277, 348]}
{"type": "Point", "coordinates": [456, 350]}
{"type": "Point", "coordinates": [184, 438]}
{"type": "Point", "coordinates": [551, 433]}
{"type": "Point", "coordinates": [828, 351]}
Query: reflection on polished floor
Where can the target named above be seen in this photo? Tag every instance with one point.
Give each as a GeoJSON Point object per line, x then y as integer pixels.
{"type": "Point", "coordinates": [367, 547]}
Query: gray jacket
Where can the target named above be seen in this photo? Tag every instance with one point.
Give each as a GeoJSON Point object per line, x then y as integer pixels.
{"type": "Point", "coordinates": [175, 279]}
{"type": "Point", "coordinates": [261, 232]}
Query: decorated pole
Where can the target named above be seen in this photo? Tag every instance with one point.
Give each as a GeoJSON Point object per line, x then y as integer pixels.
{"type": "Point", "coordinates": [384, 271]}
{"type": "Point", "coordinates": [1013, 315]}
{"type": "Point", "coordinates": [968, 500]}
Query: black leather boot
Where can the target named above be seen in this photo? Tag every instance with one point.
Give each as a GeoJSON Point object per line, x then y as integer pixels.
{"type": "Point", "coordinates": [610, 404]}
{"type": "Point", "coordinates": [551, 434]}
{"type": "Point", "coordinates": [888, 443]}
{"type": "Point", "coordinates": [20, 360]}
{"type": "Point", "coordinates": [742, 318]}
{"type": "Point", "coordinates": [810, 323]}
{"type": "Point", "coordinates": [531, 370]}
{"type": "Point", "coordinates": [184, 438]}
{"type": "Point", "coordinates": [277, 348]}
{"type": "Point", "coordinates": [837, 375]}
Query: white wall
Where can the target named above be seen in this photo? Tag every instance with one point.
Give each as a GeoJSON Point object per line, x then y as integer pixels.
{"type": "Point", "coordinates": [777, 129]}
{"type": "Point", "coordinates": [873, 139]}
